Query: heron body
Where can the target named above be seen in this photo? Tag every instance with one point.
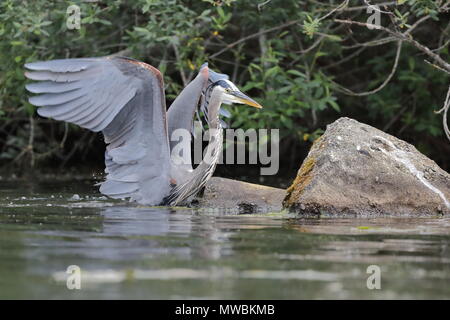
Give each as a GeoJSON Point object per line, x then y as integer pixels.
{"type": "Point", "coordinates": [124, 99]}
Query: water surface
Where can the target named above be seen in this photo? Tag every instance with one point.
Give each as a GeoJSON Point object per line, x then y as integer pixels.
{"type": "Point", "coordinates": [130, 252]}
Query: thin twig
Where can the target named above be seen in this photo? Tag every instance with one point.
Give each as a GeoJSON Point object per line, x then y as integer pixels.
{"type": "Point", "coordinates": [31, 141]}
{"type": "Point", "coordinates": [66, 131]}
{"type": "Point", "coordinates": [260, 5]}
{"type": "Point", "coordinates": [254, 35]}
{"type": "Point", "coordinates": [341, 6]}
{"type": "Point", "coordinates": [444, 116]}
{"type": "Point", "coordinates": [284, 25]}
{"type": "Point", "coordinates": [391, 74]}
{"type": "Point", "coordinates": [345, 59]}
{"type": "Point", "coordinates": [364, 7]}
{"type": "Point", "coordinates": [376, 8]}
{"type": "Point", "coordinates": [402, 37]}
{"type": "Point", "coordinates": [177, 56]}
{"type": "Point", "coordinates": [372, 43]}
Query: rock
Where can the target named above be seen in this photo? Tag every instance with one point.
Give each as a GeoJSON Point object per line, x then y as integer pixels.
{"type": "Point", "coordinates": [241, 197]}
{"type": "Point", "coordinates": [356, 169]}
{"type": "Point", "coordinates": [75, 197]}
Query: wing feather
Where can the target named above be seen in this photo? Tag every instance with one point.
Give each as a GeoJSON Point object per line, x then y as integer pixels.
{"type": "Point", "coordinates": [53, 87]}
{"type": "Point", "coordinates": [63, 110]}
{"type": "Point", "coordinates": [61, 65]}
{"type": "Point", "coordinates": [63, 77]}
{"type": "Point", "coordinates": [124, 99]}
{"type": "Point", "coordinates": [57, 98]}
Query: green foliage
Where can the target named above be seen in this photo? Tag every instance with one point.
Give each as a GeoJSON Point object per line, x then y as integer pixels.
{"type": "Point", "coordinates": [402, 19]}
{"type": "Point", "coordinates": [424, 7]}
{"type": "Point", "coordinates": [291, 71]}
{"type": "Point", "coordinates": [311, 26]}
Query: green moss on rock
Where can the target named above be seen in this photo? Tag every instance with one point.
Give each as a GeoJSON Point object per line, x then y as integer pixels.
{"type": "Point", "coordinates": [304, 177]}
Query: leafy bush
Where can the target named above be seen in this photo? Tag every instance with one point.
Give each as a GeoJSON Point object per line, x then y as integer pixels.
{"type": "Point", "coordinates": [292, 56]}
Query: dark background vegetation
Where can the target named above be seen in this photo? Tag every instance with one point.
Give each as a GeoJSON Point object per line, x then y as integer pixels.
{"type": "Point", "coordinates": [292, 56]}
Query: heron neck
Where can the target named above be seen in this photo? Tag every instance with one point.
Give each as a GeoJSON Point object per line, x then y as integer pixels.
{"type": "Point", "coordinates": [191, 182]}
{"type": "Point", "coordinates": [206, 167]}
{"type": "Point", "coordinates": [214, 104]}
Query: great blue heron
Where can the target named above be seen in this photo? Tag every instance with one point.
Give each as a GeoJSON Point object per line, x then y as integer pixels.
{"type": "Point", "coordinates": [124, 98]}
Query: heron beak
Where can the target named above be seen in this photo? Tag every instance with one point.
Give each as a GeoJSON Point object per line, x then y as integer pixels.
{"type": "Point", "coordinates": [239, 97]}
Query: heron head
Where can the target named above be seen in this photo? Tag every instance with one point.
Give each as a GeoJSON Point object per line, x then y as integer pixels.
{"type": "Point", "coordinates": [231, 94]}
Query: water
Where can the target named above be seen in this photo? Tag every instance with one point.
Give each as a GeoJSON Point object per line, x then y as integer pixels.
{"type": "Point", "coordinates": [130, 252]}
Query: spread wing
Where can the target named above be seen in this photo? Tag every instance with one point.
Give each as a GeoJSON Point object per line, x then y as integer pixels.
{"type": "Point", "coordinates": [124, 99]}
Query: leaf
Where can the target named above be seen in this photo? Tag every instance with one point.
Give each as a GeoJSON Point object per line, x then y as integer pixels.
{"type": "Point", "coordinates": [311, 26]}
{"type": "Point", "coordinates": [271, 72]}
{"type": "Point", "coordinates": [296, 73]}
{"type": "Point", "coordinates": [333, 37]}
{"type": "Point", "coordinates": [16, 43]}
{"type": "Point", "coordinates": [334, 105]}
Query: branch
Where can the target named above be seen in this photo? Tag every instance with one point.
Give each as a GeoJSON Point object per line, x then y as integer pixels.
{"type": "Point", "coordinates": [406, 36]}
{"type": "Point", "coordinates": [357, 8]}
{"type": "Point", "coordinates": [31, 141]}
{"type": "Point", "coordinates": [284, 25]}
{"type": "Point", "coordinates": [345, 59]}
{"type": "Point", "coordinates": [394, 68]}
{"type": "Point", "coordinates": [375, 7]}
{"type": "Point", "coordinates": [254, 35]}
{"type": "Point", "coordinates": [402, 37]}
{"type": "Point", "coordinates": [444, 116]}
{"type": "Point", "coordinates": [177, 56]}
{"type": "Point", "coordinates": [260, 5]}
{"type": "Point", "coordinates": [339, 7]}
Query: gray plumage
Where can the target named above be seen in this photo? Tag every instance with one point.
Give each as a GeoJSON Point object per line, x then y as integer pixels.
{"type": "Point", "coordinates": [124, 98]}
